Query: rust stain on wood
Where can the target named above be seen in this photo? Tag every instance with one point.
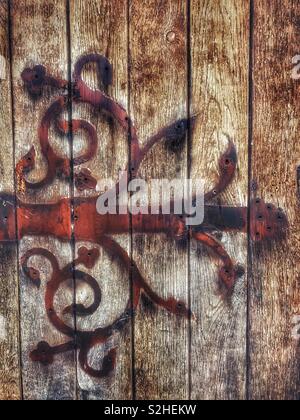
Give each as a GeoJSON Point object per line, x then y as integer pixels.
{"type": "Point", "coordinates": [54, 219]}
{"type": "Point", "coordinates": [45, 206]}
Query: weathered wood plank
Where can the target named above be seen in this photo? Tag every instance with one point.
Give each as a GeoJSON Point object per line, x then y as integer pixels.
{"type": "Point", "coordinates": [9, 300]}
{"type": "Point", "coordinates": [274, 283]}
{"type": "Point", "coordinates": [158, 97]}
{"type": "Point", "coordinates": [219, 66]}
{"type": "Point", "coordinates": [100, 26]}
{"type": "Point", "coordinates": [39, 37]}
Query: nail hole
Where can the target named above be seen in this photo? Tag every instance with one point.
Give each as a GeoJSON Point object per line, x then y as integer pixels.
{"type": "Point", "coordinates": [171, 36]}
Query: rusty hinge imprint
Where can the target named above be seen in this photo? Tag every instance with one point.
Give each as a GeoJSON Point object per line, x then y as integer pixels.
{"type": "Point", "coordinates": [266, 221]}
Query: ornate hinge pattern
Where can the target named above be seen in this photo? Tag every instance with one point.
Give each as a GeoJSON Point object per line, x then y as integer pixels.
{"type": "Point", "coordinates": [266, 221]}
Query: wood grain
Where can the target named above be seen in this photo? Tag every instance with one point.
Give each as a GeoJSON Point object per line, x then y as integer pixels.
{"type": "Point", "coordinates": [274, 280]}
{"type": "Point", "coordinates": [101, 27]}
{"type": "Point", "coordinates": [39, 37]}
{"type": "Point", "coordinates": [9, 299]}
{"type": "Point", "coordinates": [171, 58]}
{"type": "Point", "coordinates": [158, 97]}
{"type": "Point", "coordinates": [219, 79]}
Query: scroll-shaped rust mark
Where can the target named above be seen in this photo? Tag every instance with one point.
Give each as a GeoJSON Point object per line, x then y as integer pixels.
{"type": "Point", "coordinates": [227, 167]}
{"type": "Point", "coordinates": [84, 341]}
{"type": "Point", "coordinates": [54, 219]}
{"type": "Point", "coordinates": [56, 165]}
{"type": "Point", "coordinates": [36, 79]}
{"type": "Point", "coordinates": [85, 181]}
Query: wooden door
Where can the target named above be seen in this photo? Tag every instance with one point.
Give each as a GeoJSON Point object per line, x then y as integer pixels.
{"type": "Point", "coordinates": [198, 78]}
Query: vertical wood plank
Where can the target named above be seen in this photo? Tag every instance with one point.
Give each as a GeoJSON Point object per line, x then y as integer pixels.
{"type": "Point", "coordinates": [158, 97]}
{"type": "Point", "coordinates": [39, 37]}
{"type": "Point", "coordinates": [219, 65]}
{"type": "Point", "coordinates": [274, 285]}
{"type": "Point", "coordinates": [9, 301]}
{"type": "Point", "coordinates": [100, 27]}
